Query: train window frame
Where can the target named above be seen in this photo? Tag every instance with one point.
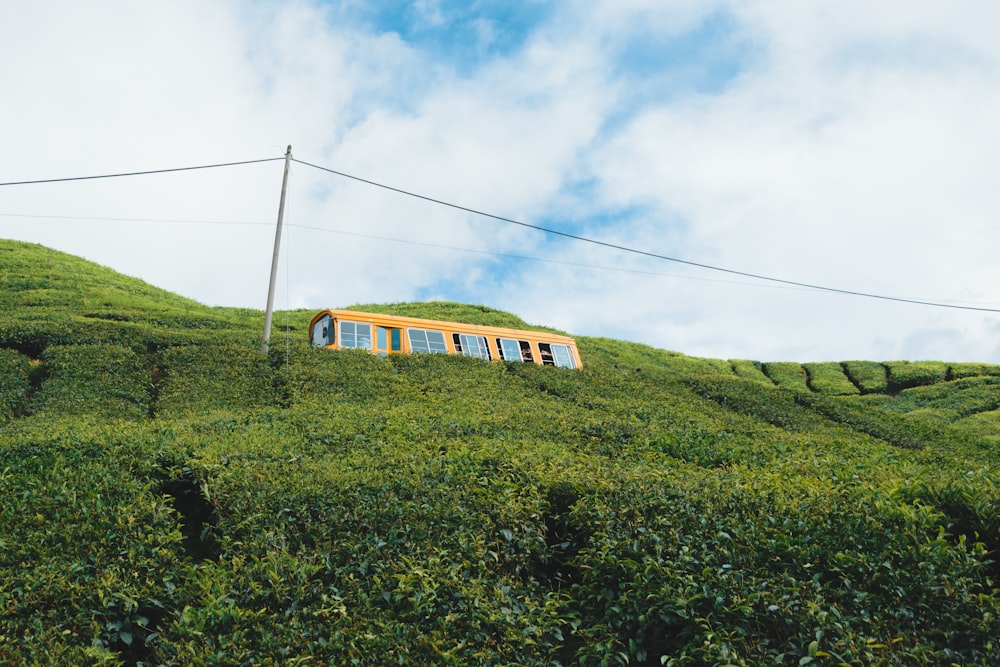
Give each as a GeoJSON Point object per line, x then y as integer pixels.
{"type": "Point", "coordinates": [516, 346]}
{"type": "Point", "coordinates": [472, 345]}
{"type": "Point", "coordinates": [545, 354]}
{"type": "Point", "coordinates": [351, 340]}
{"type": "Point", "coordinates": [562, 355]}
{"type": "Point", "coordinates": [425, 346]}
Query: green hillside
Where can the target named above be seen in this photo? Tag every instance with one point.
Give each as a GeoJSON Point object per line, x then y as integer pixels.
{"type": "Point", "coordinates": [173, 497]}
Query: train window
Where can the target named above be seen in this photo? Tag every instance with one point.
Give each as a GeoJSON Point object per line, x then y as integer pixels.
{"type": "Point", "coordinates": [526, 351]}
{"type": "Point", "coordinates": [381, 340]}
{"type": "Point", "coordinates": [510, 349]}
{"type": "Point", "coordinates": [388, 340]}
{"type": "Point", "coordinates": [426, 340]}
{"type": "Point", "coordinates": [562, 355]}
{"type": "Point", "coordinates": [323, 332]}
{"type": "Point", "coordinates": [355, 334]}
{"type": "Point", "coordinates": [545, 351]}
{"type": "Point", "coordinates": [472, 346]}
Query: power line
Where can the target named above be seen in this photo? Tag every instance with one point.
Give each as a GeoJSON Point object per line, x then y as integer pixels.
{"type": "Point", "coordinates": [646, 253]}
{"type": "Point", "coordinates": [424, 244]}
{"type": "Point", "coordinates": [543, 260]}
{"type": "Point", "coordinates": [140, 173]}
{"type": "Point", "coordinates": [477, 251]}
{"type": "Point", "coordinates": [499, 218]}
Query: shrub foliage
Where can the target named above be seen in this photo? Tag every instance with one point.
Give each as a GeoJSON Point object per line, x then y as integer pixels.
{"type": "Point", "coordinates": [15, 383]}
{"type": "Point", "coordinates": [787, 374]}
{"type": "Point", "coordinates": [175, 498]}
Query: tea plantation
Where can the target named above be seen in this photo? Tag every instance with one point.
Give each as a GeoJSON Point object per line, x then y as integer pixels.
{"type": "Point", "coordinates": [173, 497]}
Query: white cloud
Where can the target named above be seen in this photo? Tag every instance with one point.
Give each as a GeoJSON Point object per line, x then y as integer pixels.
{"type": "Point", "coordinates": [868, 178]}
{"type": "Point", "coordinates": [428, 13]}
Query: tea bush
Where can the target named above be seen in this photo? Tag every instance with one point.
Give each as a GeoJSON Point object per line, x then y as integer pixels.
{"type": "Point", "coordinates": [634, 356]}
{"type": "Point", "coordinates": [953, 400]}
{"type": "Point", "coordinates": [318, 377]}
{"type": "Point", "coordinates": [15, 383]}
{"type": "Point", "coordinates": [779, 407]}
{"type": "Point", "coordinates": [964, 370]}
{"type": "Point", "coordinates": [177, 498]}
{"type": "Point", "coordinates": [869, 376]}
{"type": "Point", "coordinates": [829, 378]}
{"type": "Point", "coordinates": [696, 575]}
{"type": "Point", "coordinates": [983, 428]}
{"type": "Point", "coordinates": [786, 374]}
{"type": "Point", "coordinates": [50, 298]}
{"type": "Point", "coordinates": [197, 379]}
{"type": "Point", "coordinates": [750, 370]}
{"type": "Point", "coordinates": [906, 374]}
{"type": "Point", "coordinates": [412, 560]}
{"type": "Point", "coordinates": [917, 430]}
{"type": "Point", "coordinates": [90, 558]}
{"type": "Point", "coordinates": [101, 380]}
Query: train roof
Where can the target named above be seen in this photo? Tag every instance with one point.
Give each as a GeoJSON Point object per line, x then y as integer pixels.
{"type": "Point", "coordinates": [402, 320]}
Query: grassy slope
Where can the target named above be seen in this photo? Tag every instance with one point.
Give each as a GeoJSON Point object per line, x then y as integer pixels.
{"type": "Point", "coordinates": [175, 498]}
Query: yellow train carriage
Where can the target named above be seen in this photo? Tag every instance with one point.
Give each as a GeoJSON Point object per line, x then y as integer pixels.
{"type": "Point", "coordinates": [393, 334]}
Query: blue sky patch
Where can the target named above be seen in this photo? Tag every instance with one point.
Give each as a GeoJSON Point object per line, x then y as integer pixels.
{"type": "Point", "coordinates": [707, 58]}
{"type": "Point", "coordinates": [464, 33]}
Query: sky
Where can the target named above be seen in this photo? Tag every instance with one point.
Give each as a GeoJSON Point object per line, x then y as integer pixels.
{"type": "Point", "coordinates": [851, 145]}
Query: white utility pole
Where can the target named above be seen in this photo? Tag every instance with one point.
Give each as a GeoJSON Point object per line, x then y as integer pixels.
{"type": "Point", "coordinates": [274, 260]}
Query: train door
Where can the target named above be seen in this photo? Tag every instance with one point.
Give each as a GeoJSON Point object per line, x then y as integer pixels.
{"type": "Point", "coordinates": [388, 341]}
